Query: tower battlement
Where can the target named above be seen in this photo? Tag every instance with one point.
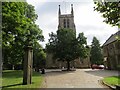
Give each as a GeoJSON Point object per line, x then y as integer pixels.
{"type": "Point", "coordinates": [66, 20]}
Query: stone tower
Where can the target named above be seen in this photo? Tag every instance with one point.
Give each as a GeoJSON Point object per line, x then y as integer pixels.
{"type": "Point", "coordinates": [66, 20]}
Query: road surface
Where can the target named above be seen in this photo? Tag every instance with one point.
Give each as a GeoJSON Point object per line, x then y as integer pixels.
{"type": "Point", "coordinates": [81, 78]}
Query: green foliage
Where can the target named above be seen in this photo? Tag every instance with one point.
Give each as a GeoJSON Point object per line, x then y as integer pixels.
{"type": "Point", "coordinates": [96, 53]}
{"type": "Point", "coordinates": [14, 78]}
{"type": "Point", "coordinates": [66, 47]}
{"type": "Point", "coordinates": [18, 30]}
{"type": "Point", "coordinates": [118, 66]}
{"type": "Point", "coordinates": [39, 55]}
{"type": "Point", "coordinates": [82, 50]}
{"type": "Point", "coordinates": [110, 11]}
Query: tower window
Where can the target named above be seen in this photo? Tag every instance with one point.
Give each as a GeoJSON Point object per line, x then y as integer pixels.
{"type": "Point", "coordinates": [68, 23]}
{"type": "Point", "coordinates": [64, 23]}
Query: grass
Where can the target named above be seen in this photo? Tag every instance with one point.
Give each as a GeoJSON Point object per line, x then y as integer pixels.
{"type": "Point", "coordinates": [0, 81]}
{"type": "Point", "coordinates": [14, 79]}
{"type": "Point", "coordinates": [113, 80]}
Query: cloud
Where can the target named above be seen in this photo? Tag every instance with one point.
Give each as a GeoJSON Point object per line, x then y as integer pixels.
{"type": "Point", "coordinates": [91, 23]}
{"type": "Point", "coordinates": [61, 1]}
{"type": "Point", "coordinates": [86, 19]}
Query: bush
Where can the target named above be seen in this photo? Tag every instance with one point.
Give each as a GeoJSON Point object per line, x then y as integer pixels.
{"type": "Point", "coordinates": [118, 67]}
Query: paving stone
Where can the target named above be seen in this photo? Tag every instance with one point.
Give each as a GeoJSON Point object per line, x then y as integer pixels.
{"type": "Point", "coordinates": [81, 78]}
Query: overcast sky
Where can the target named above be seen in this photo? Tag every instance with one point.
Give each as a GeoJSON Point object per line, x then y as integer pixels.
{"type": "Point", "coordinates": [86, 19]}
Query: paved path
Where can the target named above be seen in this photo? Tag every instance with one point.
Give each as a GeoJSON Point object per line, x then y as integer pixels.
{"type": "Point", "coordinates": [81, 78]}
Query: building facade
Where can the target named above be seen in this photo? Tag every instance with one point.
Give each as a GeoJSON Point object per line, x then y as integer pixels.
{"type": "Point", "coordinates": [66, 21]}
{"type": "Point", "coordinates": [111, 51]}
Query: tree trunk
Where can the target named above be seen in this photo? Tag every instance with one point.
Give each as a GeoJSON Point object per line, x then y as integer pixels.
{"type": "Point", "coordinates": [68, 65]}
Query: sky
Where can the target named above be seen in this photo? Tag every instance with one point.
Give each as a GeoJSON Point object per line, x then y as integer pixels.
{"type": "Point", "coordinates": [86, 20]}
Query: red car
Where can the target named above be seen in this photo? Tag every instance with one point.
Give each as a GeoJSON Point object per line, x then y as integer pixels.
{"type": "Point", "coordinates": [94, 66]}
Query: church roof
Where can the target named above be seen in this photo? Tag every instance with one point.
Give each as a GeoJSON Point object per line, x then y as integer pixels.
{"type": "Point", "coordinates": [112, 38]}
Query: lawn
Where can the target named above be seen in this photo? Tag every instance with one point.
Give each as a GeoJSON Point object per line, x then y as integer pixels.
{"type": "Point", "coordinates": [113, 80]}
{"type": "Point", "coordinates": [14, 79]}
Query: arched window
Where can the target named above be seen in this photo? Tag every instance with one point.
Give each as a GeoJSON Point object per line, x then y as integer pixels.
{"type": "Point", "coordinates": [64, 21]}
{"type": "Point", "coordinates": [68, 23]}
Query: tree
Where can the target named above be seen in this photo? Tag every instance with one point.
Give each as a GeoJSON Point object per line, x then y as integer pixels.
{"type": "Point", "coordinates": [110, 11]}
{"type": "Point", "coordinates": [39, 55]}
{"type": "Point", "coordinates": [66, 47]}
{"type": "Point", "coordinates": [18, 29]}
{"type": "Point", "coordinates": [95, 53]}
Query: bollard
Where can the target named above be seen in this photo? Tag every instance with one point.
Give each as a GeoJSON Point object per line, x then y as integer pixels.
{"type": "Point", "coordinates": [42, 71]}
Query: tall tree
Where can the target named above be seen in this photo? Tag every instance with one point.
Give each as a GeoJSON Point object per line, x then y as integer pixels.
{"type": "Point", "coordinates": [18, 28]}
{"type": "Point", "coordinates": [39, 55]}
{"type": "Point", "coordinates": [110, 11]}
{"type": "Point", "coordinates": [95, 53]}
{"type": "Point", "coordinates": [66, 47]}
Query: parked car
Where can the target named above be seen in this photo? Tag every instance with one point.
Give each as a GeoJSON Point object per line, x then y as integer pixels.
{"type": "Point", "coordinates": [94, 66]}
{"type": "Point", "coordinates": [101, 67]}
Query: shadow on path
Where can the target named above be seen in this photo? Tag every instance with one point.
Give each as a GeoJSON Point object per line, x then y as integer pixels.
{"type": "Point", "coordinates": [57, 72]}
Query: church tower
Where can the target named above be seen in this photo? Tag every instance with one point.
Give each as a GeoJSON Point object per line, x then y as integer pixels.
{"type": "Point", "coordinates": [66, 20]}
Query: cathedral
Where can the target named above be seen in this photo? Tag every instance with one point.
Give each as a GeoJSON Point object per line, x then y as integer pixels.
{"type": "Point", "coordinates": [66, 21]}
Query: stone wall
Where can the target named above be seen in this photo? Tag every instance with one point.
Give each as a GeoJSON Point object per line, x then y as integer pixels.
{"type": "Point", "coordinates": [78, 63]}
{"type": "Point", "coordinates": [111, 53]}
